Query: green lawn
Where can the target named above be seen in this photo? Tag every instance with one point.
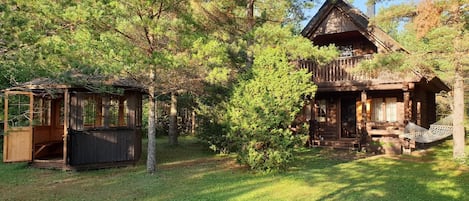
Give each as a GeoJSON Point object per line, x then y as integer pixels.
{"type": "Point", "coordinates": [191, 172]}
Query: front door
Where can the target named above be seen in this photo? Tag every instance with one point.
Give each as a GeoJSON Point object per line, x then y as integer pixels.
{"type": "Point", "coordinates": [348, 118]}
{"type": "Point", "coordinates": [18, 127]}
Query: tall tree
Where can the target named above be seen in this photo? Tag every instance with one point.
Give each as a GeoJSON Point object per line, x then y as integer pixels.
{"type": "Point", "coordinates": [30, 41]}
{"type": "Point", "coordinates": [438, 35]}
{"type": "Point", "coordinates": [153, 42]}
{"type": "Point", "coordinates": [268, 89]}
{"type": "Point", "coordinates": [266, 101]}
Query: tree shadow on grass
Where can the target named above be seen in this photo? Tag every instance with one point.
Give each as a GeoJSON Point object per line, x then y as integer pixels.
{"type": "Point", "coordinates": [190, 173]}
{"type": "Point", "coordinates": [387, 178]}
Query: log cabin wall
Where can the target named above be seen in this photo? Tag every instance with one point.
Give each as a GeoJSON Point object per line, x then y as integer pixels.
{"type": "Point", "coordinates": [330, 128]}
{"type": "Point", "coordinates": [431, 107]}
{"type": "Point", "coordinates": [423, 107]}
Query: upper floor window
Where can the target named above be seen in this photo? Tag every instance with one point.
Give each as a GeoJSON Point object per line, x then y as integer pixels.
{"type": "Point", "coordinates": [345, 50]}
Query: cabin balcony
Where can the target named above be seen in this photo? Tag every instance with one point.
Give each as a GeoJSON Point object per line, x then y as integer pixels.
{"type": "Point", "coordinates": [340, 69]}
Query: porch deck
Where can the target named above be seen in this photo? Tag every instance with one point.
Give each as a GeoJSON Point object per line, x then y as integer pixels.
{"type": "Point", "coordinates": [340, 69]}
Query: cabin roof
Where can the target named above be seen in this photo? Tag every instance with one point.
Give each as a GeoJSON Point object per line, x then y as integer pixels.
{"type": "Point", "coordinates": [80, 81]}
{"type": "Point", "coordinates": [357, 20]}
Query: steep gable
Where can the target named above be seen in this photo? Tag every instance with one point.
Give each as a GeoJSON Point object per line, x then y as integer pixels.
{"type": "Point", "coordinates": [335, 22]}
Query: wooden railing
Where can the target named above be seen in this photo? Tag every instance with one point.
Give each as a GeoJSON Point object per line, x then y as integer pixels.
{"type": "Point", "coordinates": [338, 70]}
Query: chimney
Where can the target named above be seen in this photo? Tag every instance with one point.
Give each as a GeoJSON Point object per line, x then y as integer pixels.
{"type": "Point", "coordinates": [371, 9]}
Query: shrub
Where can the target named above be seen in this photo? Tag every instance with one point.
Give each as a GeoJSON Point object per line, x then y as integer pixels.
{"type": "Point", "coordinates": [264, 105]}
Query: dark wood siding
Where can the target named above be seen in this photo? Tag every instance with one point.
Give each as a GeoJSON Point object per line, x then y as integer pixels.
{"type": "Point", "coordinates": [104, 146]}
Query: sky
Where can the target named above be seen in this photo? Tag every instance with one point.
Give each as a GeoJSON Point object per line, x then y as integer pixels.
{"type": "Point", "coordinates": [360, 4]}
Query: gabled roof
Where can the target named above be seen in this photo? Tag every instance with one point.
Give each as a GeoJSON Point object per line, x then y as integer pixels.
{"type": "Point", "coordinates": [351, 19]}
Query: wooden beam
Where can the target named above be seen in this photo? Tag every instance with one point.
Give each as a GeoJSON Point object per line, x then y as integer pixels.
{"type": "Point", "coordinates": [407, 107]}
{"type": "Point", "coordinates": [363, 122]}
{"type": "Point", "coordinates": [356, 86]}
{"type": "Point", "coordinates": [66, 124]}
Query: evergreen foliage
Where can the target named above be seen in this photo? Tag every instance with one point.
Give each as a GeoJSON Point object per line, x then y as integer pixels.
{"type": "Point", "coordinates": [437, 36]}
{"type": "Point", "coordinates": [250, 114]}
{"type": "Point", "coordinates": [265, 103]}
{"type": "Point", "coordinates": [237, 56]}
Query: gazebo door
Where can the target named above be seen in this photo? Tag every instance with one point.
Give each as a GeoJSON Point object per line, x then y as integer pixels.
{"type": "Point", "coordinates": [18, 127]}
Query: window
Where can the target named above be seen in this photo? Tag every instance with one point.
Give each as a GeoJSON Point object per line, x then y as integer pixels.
{"type": "Point", "coordinates": [105, 111]}
{"type": "Point", "coordinates": [322, 111]}
{"type": "Point", "coordinates": [117, 112]}
{"type": "Point", "coordinates": [391, 109]}
{"type": "Point", "coordinates": [90, 112]}
{"type": "Point", "coordinates": [384, 109]}
{"type": "Point", "coordinates": [42, 113]}
{"type": "Point", "coordinates": [18, 110]}
{"type": "Point", "coordinates": [346, 50]}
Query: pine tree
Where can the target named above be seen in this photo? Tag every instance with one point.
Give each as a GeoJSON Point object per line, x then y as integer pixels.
{"type": "Point", "coordinates": [437, 35]}
{"type": "Point", "coordinates": [267, 90]}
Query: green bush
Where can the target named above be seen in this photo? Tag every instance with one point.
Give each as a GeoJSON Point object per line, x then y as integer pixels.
{"type": "Point", "coordinates": [264, 105]}
{"type": "Point", "coordinates": [253, 117]}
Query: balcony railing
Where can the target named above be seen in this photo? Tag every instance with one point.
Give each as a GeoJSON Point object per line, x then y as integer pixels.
{"type": "Point", "coordinates": [337, 70]}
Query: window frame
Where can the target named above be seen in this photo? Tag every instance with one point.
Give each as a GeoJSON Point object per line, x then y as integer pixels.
{"type": "Point", "coordinates": [321, 114]}
{"type": "Point", "coordinates": [384, 109]}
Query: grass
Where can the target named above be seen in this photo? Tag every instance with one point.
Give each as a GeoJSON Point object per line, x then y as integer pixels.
{"type": "Point", "coordinates": [191, 172]}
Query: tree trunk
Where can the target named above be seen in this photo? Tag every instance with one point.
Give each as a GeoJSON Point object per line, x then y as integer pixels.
{"type": "Point", "coordinates": [250, 22]}
{"type": "Point", "coordinates": [151, 157]}
{"type": "Point", "coordinates": [193, 126]}
{"type": "Point", "coordinates": [459, 136]}
{"type": "Point", "coordinates": [173, 135]}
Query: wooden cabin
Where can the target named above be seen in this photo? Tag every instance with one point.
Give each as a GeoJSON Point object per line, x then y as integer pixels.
{"type": "Point", "coordinates": [362, 110]}
{"type": "Point", "coordinates": [59, 126]}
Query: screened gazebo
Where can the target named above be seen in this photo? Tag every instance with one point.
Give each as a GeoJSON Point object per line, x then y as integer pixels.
{"type": "Point", "coordinates": [52, 125]}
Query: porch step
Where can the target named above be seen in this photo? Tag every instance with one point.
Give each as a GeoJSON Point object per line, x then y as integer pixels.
{"type": "Point", "coordinates": [337, 144]}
